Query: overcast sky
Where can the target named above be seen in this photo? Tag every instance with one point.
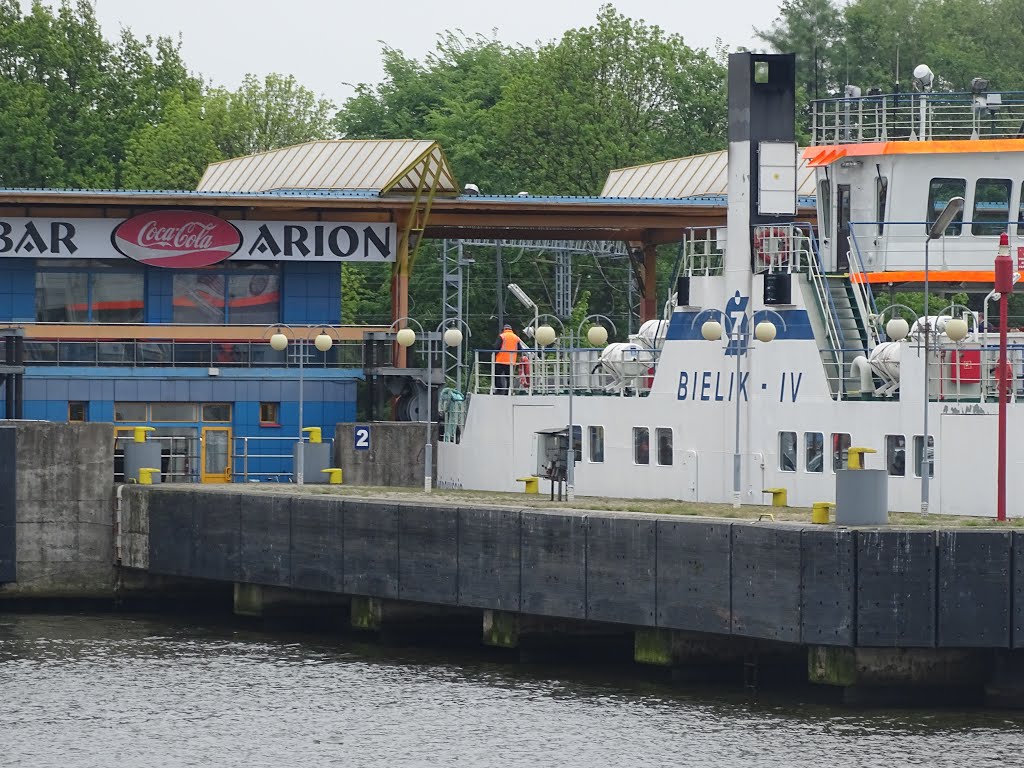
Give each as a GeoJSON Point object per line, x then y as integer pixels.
{"type": "Point", "coordinates": [327, 43]}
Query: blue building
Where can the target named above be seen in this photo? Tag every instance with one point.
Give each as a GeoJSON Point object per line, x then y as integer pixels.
{"type": "Point", "coordinates": [156, 308]}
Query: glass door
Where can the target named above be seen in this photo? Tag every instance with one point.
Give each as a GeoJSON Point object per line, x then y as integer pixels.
{"type": "Point", "coordinates": [216, 455]}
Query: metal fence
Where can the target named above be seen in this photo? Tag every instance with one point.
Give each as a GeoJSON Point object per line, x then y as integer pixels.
{"type": "Point", "coordinates": [623, 369]}
{"type": "Point", "coordinates": [254, 458]}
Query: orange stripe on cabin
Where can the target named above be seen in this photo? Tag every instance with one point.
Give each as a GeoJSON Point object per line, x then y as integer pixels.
{"type": "Point", "coordinates": [828, 154]}
{"type": "Point", "coordinates": [917, 276]}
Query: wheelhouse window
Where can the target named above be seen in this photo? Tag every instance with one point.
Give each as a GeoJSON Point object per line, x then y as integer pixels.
{"type": "Point", "coordinates": [89, 291]}
{"type": "Point", "coordinates": [918, 445]}
{"type": "Point", "coordinates": [787, 451]}
{"type": "Point", "coordinates": [664, 438]}
{"type": "Point", "coordinates": [840, 450]}
{"type": "Point", "coordinates": [641, 445]}
{"type": "Point", "coordinates": [596, 440]}
{"type": "Point", "coordinates": [896, 455]}
{"type": "Point", "coordinates": [940, 192]}
{"type": "Point", "coordinates": [814, 451]}
{"type": "Point", "coordinates": [991, 207]}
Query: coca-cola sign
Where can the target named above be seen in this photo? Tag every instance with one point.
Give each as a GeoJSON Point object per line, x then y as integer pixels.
{"type": "Point", "coordinates": [176, 239]}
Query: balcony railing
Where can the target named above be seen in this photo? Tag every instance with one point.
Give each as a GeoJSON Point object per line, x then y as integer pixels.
{"type": "Point", "coordinates": [137, 353]}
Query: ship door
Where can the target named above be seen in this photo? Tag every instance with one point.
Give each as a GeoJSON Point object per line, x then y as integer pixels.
{"type": "Point", "coordinates": [216, 455]}
{"type": "Point", "coordinates": [843, 228]}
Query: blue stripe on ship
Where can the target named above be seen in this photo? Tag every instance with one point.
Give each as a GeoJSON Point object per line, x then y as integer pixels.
{"type": "Point", "coordinates": [798, 325]}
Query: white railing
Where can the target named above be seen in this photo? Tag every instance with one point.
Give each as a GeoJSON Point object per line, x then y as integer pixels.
{"type": "Point", "coordinates": [917, 117]}
{"type": "Point", "coordinates": [624, 370]}
{"type": "Point", "coordinates": [703, 253]}
{"type": "Point", "coordinates": [783, 248]}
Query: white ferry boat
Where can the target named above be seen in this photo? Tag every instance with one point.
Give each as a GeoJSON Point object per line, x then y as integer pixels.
{"type": "Point", "coordinates": [773, 359]}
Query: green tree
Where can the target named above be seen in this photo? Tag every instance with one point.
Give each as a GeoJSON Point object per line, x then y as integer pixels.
{"type": "Point", "coordinates": [268, 114]}
{"type": "Point", "coordinates": [615, 94]}
{"type": "Point", "coordinates": [446, 98]}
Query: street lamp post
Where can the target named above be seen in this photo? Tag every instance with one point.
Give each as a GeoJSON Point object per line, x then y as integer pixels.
{"type": "Point", "coordinates": [764, 331]}
{"type": "Point", "coordinates": [279, 343]}
{"type": "Point", "coordinates": [937, 230]}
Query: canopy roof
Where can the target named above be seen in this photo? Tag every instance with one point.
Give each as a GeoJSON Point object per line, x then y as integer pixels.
{"type": "Point", "coordinates": [372, 166]}
{"type": "Point", "coordinates": [687, 177]}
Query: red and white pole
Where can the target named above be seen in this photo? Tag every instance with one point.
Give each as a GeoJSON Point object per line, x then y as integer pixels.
{"type": "Point", "coordinates": [1004, 287]}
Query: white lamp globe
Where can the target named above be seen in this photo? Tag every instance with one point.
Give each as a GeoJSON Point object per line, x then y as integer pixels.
{"type": "Point", "coordinates": [323, 342]}
{"type": "Point", "coordinates": [406, 337]}
{"type": "Point", "coordinates": [279, 342]}
{"type": "Point", "coordinates": [453, 337]}
{"type": "Point", "coordinates": [545, 335]}
{"type": "Point", "coordinates": [956, 329]}
{"type": "Point", "coordinates": [597, 335]}
{"type": "Point", "coordinates": [897, 329]}
{"type": "Point", "coordinates": [711, 330]}
{"type": "Point", "coordinates": [765, 330]}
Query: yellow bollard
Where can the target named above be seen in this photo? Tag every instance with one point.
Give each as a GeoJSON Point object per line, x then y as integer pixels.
{"type": "Point", "coordinates": [820, 512]}
{"type": "Point", "coordinates": [333, 475]}
{"type": "Point", "coordinates": [314, 434]}
{"type": "Point", "coordinates": [779, 496]}
{"type": "Point", "coordinates": [139, 434]}
{"type": "Point", "coordinates": [856, 457]}
{"type": "Point", "coordinates": [530, 484]}
{"type": "Point", "coordinates": [146, 474]}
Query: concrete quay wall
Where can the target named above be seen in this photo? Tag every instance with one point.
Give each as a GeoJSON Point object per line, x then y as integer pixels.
{"type": "Point", "coordinates": [782, 582]}
{"type": "Point", "coordinates": [57, 526]}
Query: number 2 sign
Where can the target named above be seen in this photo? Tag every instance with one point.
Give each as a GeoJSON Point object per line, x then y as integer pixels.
{"type": "Point", "coordinates": [361, 438]}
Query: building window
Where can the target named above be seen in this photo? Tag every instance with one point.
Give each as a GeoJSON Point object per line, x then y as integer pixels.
{"type": "Point", "coordinates": [896, 455]}
{"type": "Point", "coordinates": [77, 410]}
{"type": "Point", "coordinates": [918, 444]}
{"type": "Point", "coordinates": [246, 294]}
{"type": "Point", "coordinates": [664, 438]}
{"type": "Point", "coordinates": [173, 411]}
{"type": "Point", "coordinates": [814, 451]}
{"type": "Point", "coordinates": [92, 291]}
{"type": "Point", "coordinates": [269, 413]}
{"type": "Point", "coordinates": [217, 412]}
{"type": "Point", "coordinates": [840, 450]}
{"type": "Point", "coordinates": [641, 445]}
{"type": "Point", "coordinates": [596, 435]}
{"type": "Point", "coordinates": [787, 451]}
{"type": "Point", "coordinates": [940, 192]}
{"type": "Point", "coordinates": [991, 207]}
{"type": "Point", "coordinates": [129, 411]}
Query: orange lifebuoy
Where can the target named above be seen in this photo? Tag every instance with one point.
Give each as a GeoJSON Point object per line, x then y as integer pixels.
{"type": "Point", "coordinates": [781, 255]}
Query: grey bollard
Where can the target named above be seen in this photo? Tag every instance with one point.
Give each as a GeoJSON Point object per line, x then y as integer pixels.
{"type": "Point", "coordinates": [862, 497]}
{"type": "Point", "coordinates": [317, 457]}
{"type": "Point", "coordinates": [139, 455]}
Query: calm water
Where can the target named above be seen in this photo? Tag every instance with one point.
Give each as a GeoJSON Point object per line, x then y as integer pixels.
{"type": "Point", "coordinates": [112, 691]}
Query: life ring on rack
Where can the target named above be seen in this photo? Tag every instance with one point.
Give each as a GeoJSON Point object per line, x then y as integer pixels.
{"type": "Point", "coordinates": [524, 372]}
{"type": "Point", "coordinates": [766, 258]}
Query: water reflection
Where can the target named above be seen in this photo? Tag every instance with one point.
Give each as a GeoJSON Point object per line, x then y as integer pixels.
{"type": "Point", "coordinates": [85, 691]}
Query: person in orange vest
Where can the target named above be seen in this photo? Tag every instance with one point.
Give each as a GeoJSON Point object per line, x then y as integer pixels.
{"type": "Point", "coordinates": [505, 358]}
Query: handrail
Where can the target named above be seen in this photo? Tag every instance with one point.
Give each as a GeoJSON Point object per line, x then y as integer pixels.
{"type": "Point", "coordinates": [829, 316]}
{"type": "Point", "coordinates": [917, 117]}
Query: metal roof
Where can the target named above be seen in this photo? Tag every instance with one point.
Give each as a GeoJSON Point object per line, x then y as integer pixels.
{"type": "Point", "coordinates": [686, 177]}
{"type": "Point", "coordinates": [345, 165]}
